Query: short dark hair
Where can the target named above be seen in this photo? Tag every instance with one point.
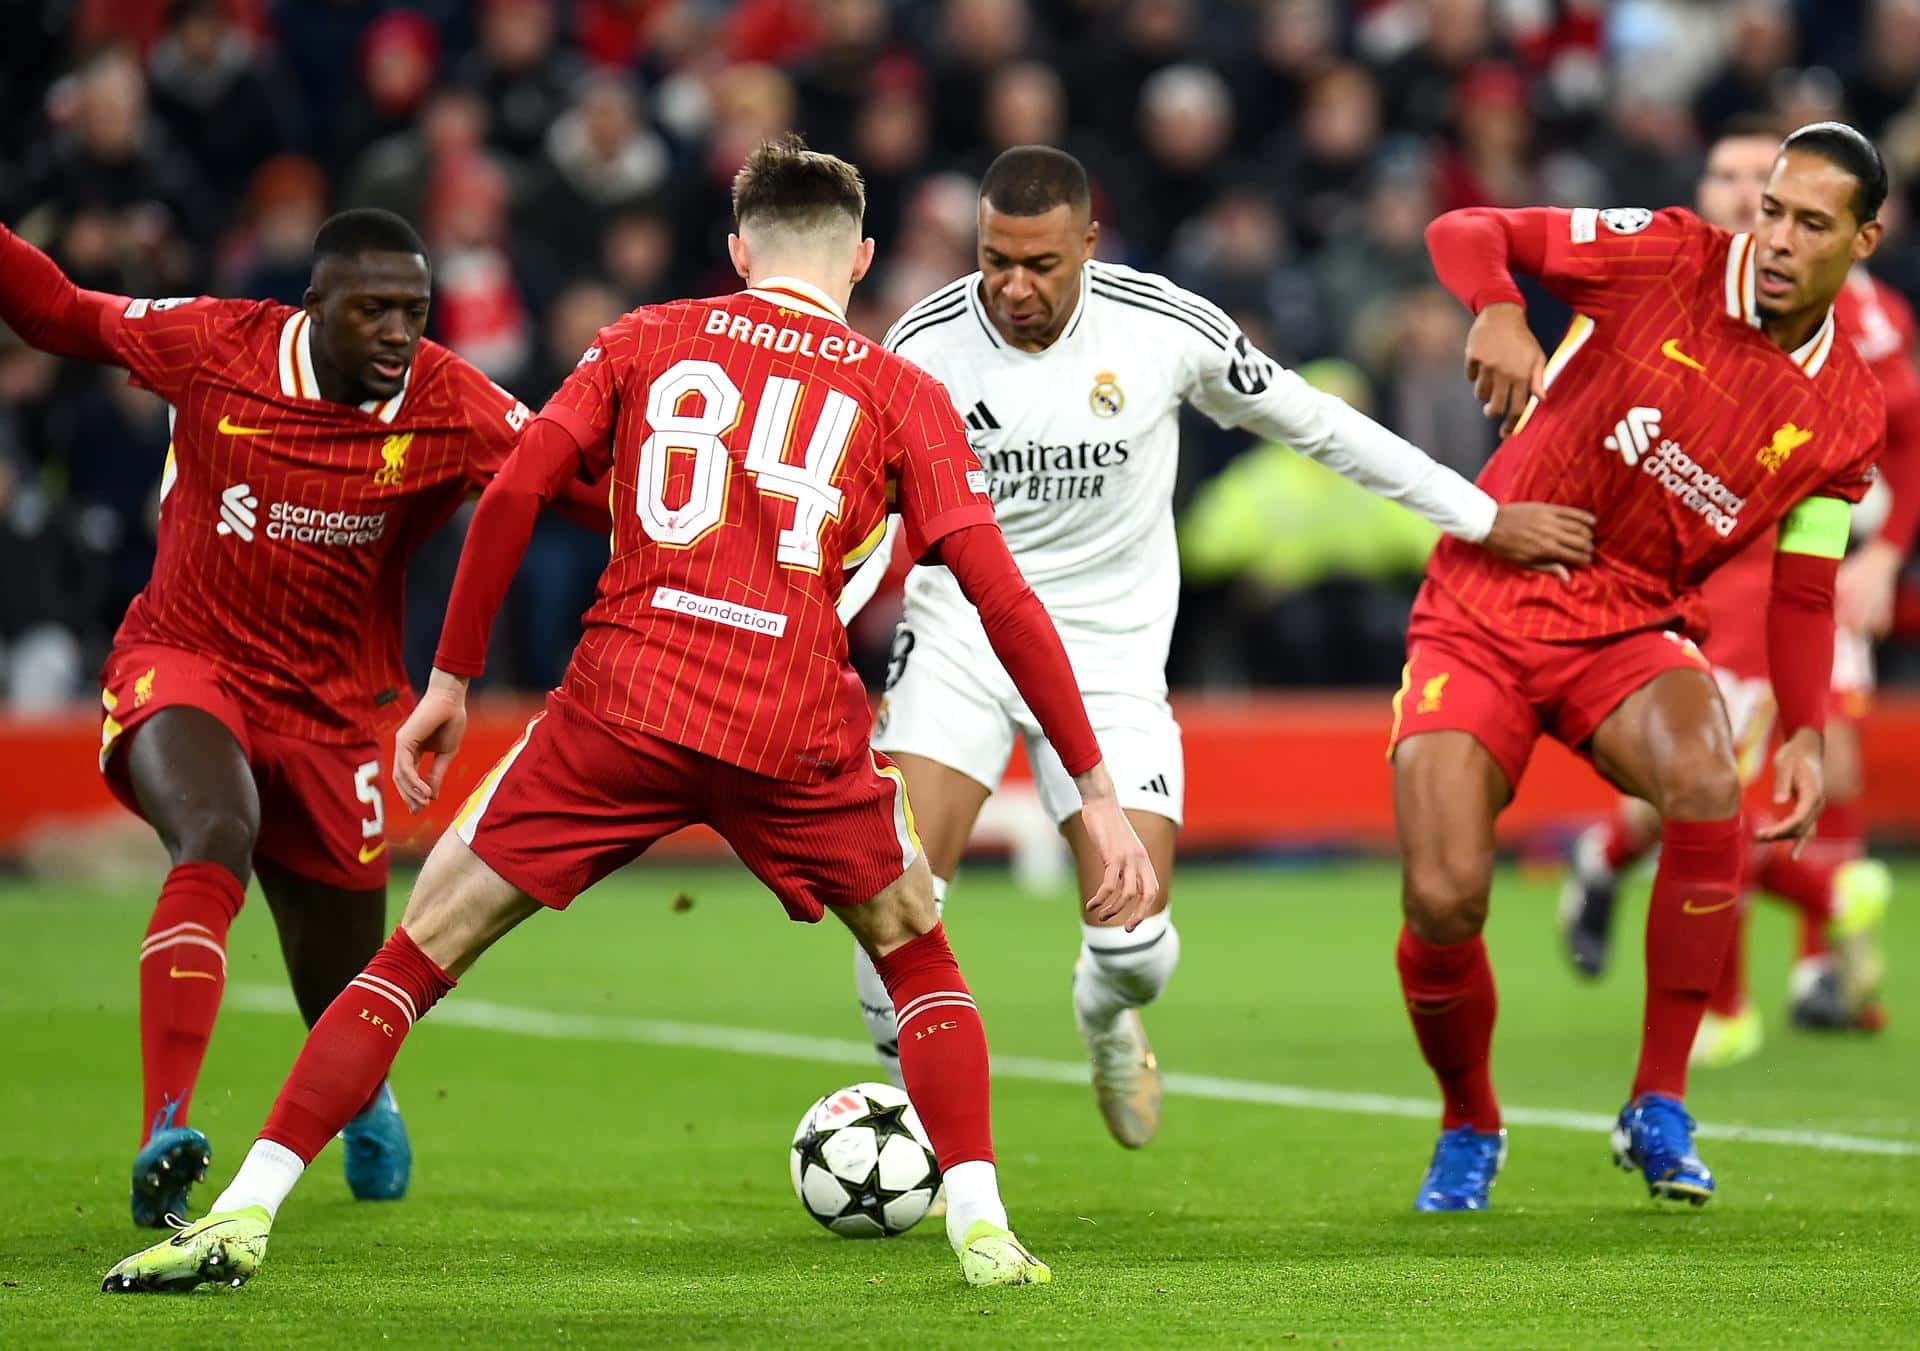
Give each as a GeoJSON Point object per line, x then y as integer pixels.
{"type": "Point", "coordinates": [1843, 146]}
{"type": "Point", "coordinates": [782, 180]}
{"type": "Point", "coordinates": [366, 229]}
{"type": "Point", "coordinates": [1031, 180]}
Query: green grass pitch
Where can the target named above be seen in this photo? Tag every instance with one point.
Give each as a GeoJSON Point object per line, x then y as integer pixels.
{"type": "Point", "coordinates": [616, 1174]}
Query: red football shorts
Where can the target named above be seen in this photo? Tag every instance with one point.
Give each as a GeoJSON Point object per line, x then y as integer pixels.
{"type": "Point", "coordinates": [1505, 692]}
{"type": "Point", "coordinates": [576, 798]}
{"type": "Point", "coordinates": [321, 814]}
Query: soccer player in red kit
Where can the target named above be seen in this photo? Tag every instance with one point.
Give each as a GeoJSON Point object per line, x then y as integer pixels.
{"type": "Point", "coordinates": [314, 449]}
{"type": "Point", "coordinates": [755, 444]}
{"type": "Point", "coordinates": [1702, 397]}
{"type": "Point", "coordinates": [1833, 888]}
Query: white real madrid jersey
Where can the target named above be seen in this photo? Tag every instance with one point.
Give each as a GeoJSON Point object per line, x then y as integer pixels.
{"type": "Point", "coordinates": [1080, 444]}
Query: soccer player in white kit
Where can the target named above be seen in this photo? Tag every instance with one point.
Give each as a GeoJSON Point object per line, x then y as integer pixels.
{"type": "Point", "coordinates": [1071, 373]}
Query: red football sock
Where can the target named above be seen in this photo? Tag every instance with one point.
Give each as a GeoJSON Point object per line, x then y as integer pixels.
{"type": "Point", "coordinates": [1804, 883]}
{"type": "Point", "coordinates": [183, 970]}
{"type": "Point", "coordinates": [1730, 993]}
{"type": "Point", "coordinates": [1621, 842]}
{"type": "Point", "coordinates": [1450, 997]}
{"type": "Point", "coordinates": [943, 1047]}
{"type": "Point", "coordinates": [1691, 923]}
{"type": "Point", "coordinates": [1842, 829]}
{"type": "Point", "coordinates": [352, 1046]}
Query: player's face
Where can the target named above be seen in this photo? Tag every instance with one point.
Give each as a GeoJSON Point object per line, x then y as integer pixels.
{"type": "Point", "coordinates": [1807, 236]}
{"type": "Point", "coordinates": [368, 313]}
{"type": "Point", "coordinates": [1030, 270]}
{"type": "Point", "coordinates": [1736, 175]}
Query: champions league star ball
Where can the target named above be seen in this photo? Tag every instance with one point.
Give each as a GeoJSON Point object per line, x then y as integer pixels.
{"type": "Point", "coordinates": [861, 1163]}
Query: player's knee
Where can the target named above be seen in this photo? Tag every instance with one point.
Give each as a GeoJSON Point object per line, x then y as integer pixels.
{"type": "Point", "coordinates": [896, 916]}
{"type": "Point", "coordinates": [1444, 897]}
{"type": "Point", "coordinates": [222, 835]}
{"type": "Point", "coordinates": [1704, 786]}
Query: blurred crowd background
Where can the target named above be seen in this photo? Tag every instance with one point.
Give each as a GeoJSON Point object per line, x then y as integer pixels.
{"type": "Point", "coordinates": [569, 159]}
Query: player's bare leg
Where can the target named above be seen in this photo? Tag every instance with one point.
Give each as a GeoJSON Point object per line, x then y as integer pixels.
{"type": "Point", "coordinates": [1117, 974]}
{"type": "Point", "coordinates": [194, 786]}
{"type": "Point", "coordinates": [946, 803]}
{"type": "Point", "coordinates": [327, 934]}
{"type": "Point", "coordinates": [943, 1058]}
{"type": "Point", "coordinates": [1670, 743]}
{"type": "Point", "coordinates": [1447, 791]}
{"type": "Point", "coordinates": [459, 908]}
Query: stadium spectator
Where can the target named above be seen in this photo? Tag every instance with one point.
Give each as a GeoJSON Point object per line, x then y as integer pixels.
{"type": "Point", "coordinates": [1762, 41]}
{"type": "Point", "coordinates": [600, 158]}
{"type": "Point", "coordinates": [270, 254]}
{"type": "Point", "coordinates": [394, 171]}
{"type": "Point", "coordinates": [1186, 125]}
{"type": "Point", "coordinates": [519, 73]}
{"type": "Point", "coordinates": [107, 152]}
{"type": "Point", "coordinates": [977, 41]}
{"type": "Point", "coordinates": [220, 97]}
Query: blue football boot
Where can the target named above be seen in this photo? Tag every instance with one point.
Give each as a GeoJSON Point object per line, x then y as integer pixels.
{"type": "Point", "coordinates": [379, 1160]}
{"type": "Point", "coordinates": [1465, 1163]}
{"type": "Point", "coordinates": [172, 1160]}
{"type": "Point", "coordinates": [1655, 1135]}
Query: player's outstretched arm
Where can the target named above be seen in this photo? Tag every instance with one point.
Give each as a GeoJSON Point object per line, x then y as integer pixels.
{"type": "Point", "coordinates": [545, 459]}
{"type": "Point", "coordinates": [1800, 659]}
{"type": "Point", "coordinates": [40, 303]}
{"type": "Point", "coordinates": [1243, 387]}
{"type": "Point", "coordinates": [1023, 637]}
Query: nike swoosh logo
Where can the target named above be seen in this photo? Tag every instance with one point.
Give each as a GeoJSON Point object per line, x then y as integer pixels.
{"type": "Point", "coordinates": [181, 1239]}
{"type": "Point", "coordinates": [1433, 1008]}
{"type": "Point", "coordinates": [369, 855]}
{"type": "Point", "coordinates": [232, 428]}
{"type": "Point", "coordinates": [1687, 907]}
{"type": "Point", "coordinates": [1670, 349]}
{"type": "Point", "coordinates": [178, 974]}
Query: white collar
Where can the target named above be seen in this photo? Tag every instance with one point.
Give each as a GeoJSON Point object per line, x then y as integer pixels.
{"type": "Point", "coordinates": [796, 294]}
{"type": "Point", "coordinates": [1811, 355]}
{"type": "Point", "coordinates": [297, 380]}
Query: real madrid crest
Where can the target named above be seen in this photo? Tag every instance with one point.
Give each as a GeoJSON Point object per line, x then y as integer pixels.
{"type": "Point", "coordinates": [1107, 399]}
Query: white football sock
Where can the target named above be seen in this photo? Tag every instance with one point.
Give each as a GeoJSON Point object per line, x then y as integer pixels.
{"type": "Point", "coordinates": [973, 1193]}
{"type": "Point", "coordinates": [264, 1179]}
{"type": "Point", "coordinates": [876, 1005]}
{"type": "Point", "coordinates": [1118, 970]}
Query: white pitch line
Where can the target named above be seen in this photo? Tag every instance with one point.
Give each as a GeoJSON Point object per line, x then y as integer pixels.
{"type": "Point", "coordinates": [481, 1013]}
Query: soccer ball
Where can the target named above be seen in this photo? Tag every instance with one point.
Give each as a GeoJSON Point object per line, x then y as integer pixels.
{"type": "Point", "coordinates": [861, 1163]}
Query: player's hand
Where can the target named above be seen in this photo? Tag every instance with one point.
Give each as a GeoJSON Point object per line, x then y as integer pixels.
{"type": "Point", "coordinates": [1863, 592]}
{"type": "Point", "coordinates": [1505, 363]}
{"type": "Point", "coordinates": [1127, 885]}
{"type": "Point", "coordinates": [1542, 535]}
{"type": "Point", "coordinates": [434, 728]}
{"type": "Point", "coordinates": [1799, 784]}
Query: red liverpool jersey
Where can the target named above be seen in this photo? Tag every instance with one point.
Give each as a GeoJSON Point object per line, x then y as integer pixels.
{"type": "Point", "coordinates": [1880, 324]}
{"type": "Point", "coordinates": [756, 444]}
{"type": "Point", "coordinates": [286, 520]}
{"type": "Point", "coordinates": [1671, 417]}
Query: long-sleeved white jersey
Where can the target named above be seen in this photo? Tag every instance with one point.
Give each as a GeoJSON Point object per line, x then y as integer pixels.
{"type": "Point", "coordinates": [1080, 444]}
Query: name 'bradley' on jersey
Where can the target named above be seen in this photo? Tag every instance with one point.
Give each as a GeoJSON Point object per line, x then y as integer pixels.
{"type": "Point", "coordinates": [742, 328]}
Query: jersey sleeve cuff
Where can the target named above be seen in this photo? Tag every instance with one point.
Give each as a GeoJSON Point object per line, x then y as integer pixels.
{"type": "Point", "coordinates": [569, 422]}
{"type": "Point", "coordinates": [1503, 293]}
{"type": "Point", "coordinates": [930, 533]}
